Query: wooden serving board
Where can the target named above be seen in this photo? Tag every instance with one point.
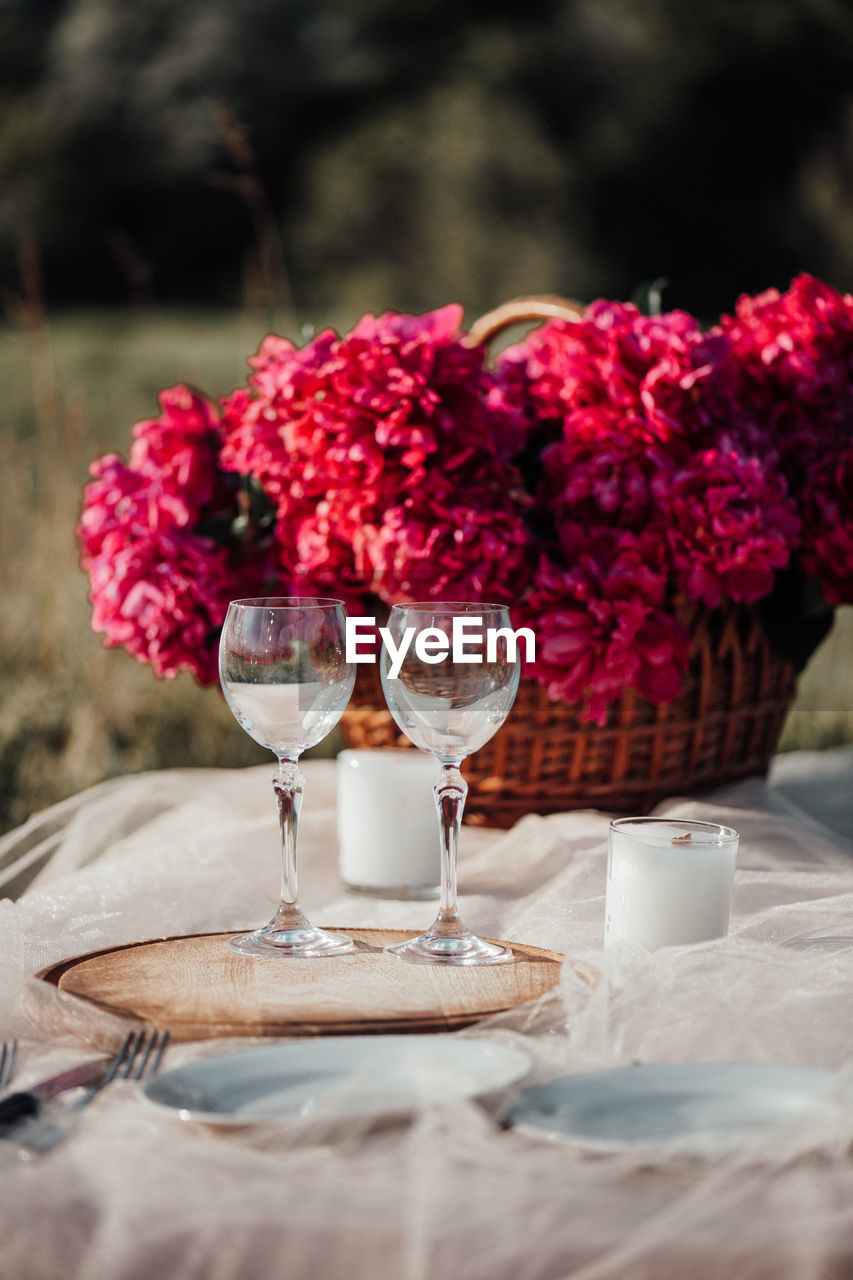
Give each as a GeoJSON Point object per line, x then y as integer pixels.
{"type": "Point", "coordinates": [197, 988]}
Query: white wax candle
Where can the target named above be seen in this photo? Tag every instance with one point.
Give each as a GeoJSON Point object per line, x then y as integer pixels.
{"type": "Point", "coordinates": [388, 837]}
{"type": "Point", "coordinates": [668, 882]}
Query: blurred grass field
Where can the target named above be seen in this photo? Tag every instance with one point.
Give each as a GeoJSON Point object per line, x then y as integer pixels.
{"type": "Point", "coordinates": [73, 713]}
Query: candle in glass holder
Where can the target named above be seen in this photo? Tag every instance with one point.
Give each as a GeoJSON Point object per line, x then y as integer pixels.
{"type": "Point", "coordinates": [669, 882]}
{"type": "Point", "coordinates": [388, 838]}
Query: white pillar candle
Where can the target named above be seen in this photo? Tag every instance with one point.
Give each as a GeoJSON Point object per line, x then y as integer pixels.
{"type": "Point", "coordinates": [388, 839]}
{"type": "Point", "coordinates": [669, 882]}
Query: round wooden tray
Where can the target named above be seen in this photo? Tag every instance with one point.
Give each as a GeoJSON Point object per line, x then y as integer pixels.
{"type": "Point", "coordinates": [197, 988]}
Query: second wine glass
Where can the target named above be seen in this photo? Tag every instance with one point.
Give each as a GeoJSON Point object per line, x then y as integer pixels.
{"type": "Point", "coordinates": [453, 690]}
{"type": "Point", "coordinates": [283, 670]}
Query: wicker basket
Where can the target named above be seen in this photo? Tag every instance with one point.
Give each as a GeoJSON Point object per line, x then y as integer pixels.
{"type": "Point", "coordinates": [725, 723]}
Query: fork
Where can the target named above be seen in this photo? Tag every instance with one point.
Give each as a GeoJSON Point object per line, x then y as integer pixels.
{"type": "Point", "coordinates": [140, 1054]}
{"type": "Point", "coordinates": [7, 1061]}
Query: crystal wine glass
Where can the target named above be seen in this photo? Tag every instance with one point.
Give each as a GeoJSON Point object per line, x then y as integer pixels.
{"type": "Point", "coordinates": [283, 670]}
{"type": "Point", "coordinates": [450, 706]}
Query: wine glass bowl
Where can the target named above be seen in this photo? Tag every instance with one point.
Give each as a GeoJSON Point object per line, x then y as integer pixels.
{"type": "Point", "coordinates": [451, 714]}
{"type": "Point", "coordinates": [284, 674]}
{"type": "Point", "coordinates": [449, 697]}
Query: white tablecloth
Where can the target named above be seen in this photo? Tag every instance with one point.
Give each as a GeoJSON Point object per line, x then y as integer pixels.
{"type": "Point", "coordinates": [134, 1193]}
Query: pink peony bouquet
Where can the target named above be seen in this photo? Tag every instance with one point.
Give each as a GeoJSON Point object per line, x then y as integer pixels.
{"type": "Point", "coordinates": [590, 476]}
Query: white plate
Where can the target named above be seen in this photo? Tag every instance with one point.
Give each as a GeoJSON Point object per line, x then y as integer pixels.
{"type": "Point", "coordinates": [333, 1077]}
{"type": "Point", "coordinates": [704, 1106]}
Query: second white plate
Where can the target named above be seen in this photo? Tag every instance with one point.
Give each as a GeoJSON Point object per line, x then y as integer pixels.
{"type": "Point", "coordinates": [703, 1106]}
{"type": "Point", "coordinates": [336, 1076]}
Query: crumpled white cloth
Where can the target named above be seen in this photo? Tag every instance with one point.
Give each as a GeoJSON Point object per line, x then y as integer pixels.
{"type": "Point", "coordinates": [133, 1192]}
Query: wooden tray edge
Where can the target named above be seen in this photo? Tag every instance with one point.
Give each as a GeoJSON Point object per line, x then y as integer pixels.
{"type": "Point", "coordinates": [52, 973]}
{"type": "Point", "coordinates": [195, 1030]}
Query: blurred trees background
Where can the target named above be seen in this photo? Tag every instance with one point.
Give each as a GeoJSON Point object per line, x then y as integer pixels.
{"type": "Point", "coordinates": [356, 154]}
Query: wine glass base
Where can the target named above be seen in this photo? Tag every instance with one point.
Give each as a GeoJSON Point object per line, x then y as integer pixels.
{"type": "Point", "coordinates": [429, 948]}
{"type": "Point", "coordinates": [304, 942]}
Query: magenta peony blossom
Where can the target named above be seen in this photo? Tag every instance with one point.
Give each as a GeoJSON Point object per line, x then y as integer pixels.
{"type": "Point", "coordinates": [646, 374]}
{"type": "Point", "coordinates": [172, 477]}
{"type": "Point", "coordinates": [181, 446]}
{"type": "Point", "coordinates": [601, 472]}
{"type": "Point", "coordinates": [589, 476]}
{"type": "Point", "coordinates": [368, 413]}
{"type": "Point", "coordinates": [117, 502]}
{"type": "Point", "coordinates": [438, 543]}
{"type": "Point", "coordinates": [340, 432]}
{"type": "Point", "coordinates": [599, 617]}
{"type": "Point", "coordinates": [164, 600]}
{"type": "Point", "coordinates": [794, 353]}
{"type": "Point", "coordinates": [730, 525]}
{"type": "Point", "coordinates": [159, 586]}
{"type": "Point", "coordinates": [827, 553]}
{"type": "Point", "coordinates": [321, 545]}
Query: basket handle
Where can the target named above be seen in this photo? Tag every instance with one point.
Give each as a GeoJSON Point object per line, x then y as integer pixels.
{"type": "Point", "coordinates": [516, 311]}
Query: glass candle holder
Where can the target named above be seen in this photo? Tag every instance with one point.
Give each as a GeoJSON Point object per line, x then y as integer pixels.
{"type": "Point", "coordinates": [669, 881]}
{"type": "Point", "coordinates": [388, 834]}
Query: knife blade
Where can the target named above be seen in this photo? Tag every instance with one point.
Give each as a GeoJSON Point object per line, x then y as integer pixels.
{"type": "Point", "coordinates": [28, 1102]}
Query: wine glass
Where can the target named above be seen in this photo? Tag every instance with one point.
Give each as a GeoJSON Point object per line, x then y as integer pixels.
{"type": "Point", "coordinates": [449, 705]}
{"type": "Point", "coordinates": [283, 670]}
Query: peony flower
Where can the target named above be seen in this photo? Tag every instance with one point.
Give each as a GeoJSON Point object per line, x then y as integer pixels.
{"type": "Point", "coordinates": [283, 387]}
{"type": "Point", "coordinates": [827, 553]}
{"type": "Point", "coordinates": [170, 444]}
{"type": "Point", "coordinates": [159, 585]}
{"type": "Point", "coordinates": [646, 373]}
{"type": "Point", "coordinates": [164, 600]}
{"type": "Point", "coordinates": [599, 469]}
{"type": "Point", "coordinates": [599, 472]}
{"type": "Point", "coordinates": [438, 543]}
{"type": "Point", "coordinates": [794, 353]}
{"type": "Point", "coordinates": [599, 617]}
{"type": "Point", "coordinates": [730, 525]}
{"type": "Point", "coordinates": [340, 431]}
{"type": "Point", "coordinates": [320, 544]}
{"type": "Point", "coordinates": [118, 501]}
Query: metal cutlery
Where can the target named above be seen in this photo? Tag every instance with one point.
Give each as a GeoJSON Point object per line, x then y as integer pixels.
{"type": "Point", "coordinates": [7, 1061]}
{"type": "Point", "coordinates": [140, 1054]}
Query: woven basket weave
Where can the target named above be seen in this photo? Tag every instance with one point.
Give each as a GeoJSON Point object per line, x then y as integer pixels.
{"type": "Point", "coordinates": [724, 725]}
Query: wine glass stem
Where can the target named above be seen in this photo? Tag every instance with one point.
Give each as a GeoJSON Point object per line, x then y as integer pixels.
{"type": "Point", "coordinates": [450, 791]}
{"type": "Point", "coordinates": [289, 783]}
